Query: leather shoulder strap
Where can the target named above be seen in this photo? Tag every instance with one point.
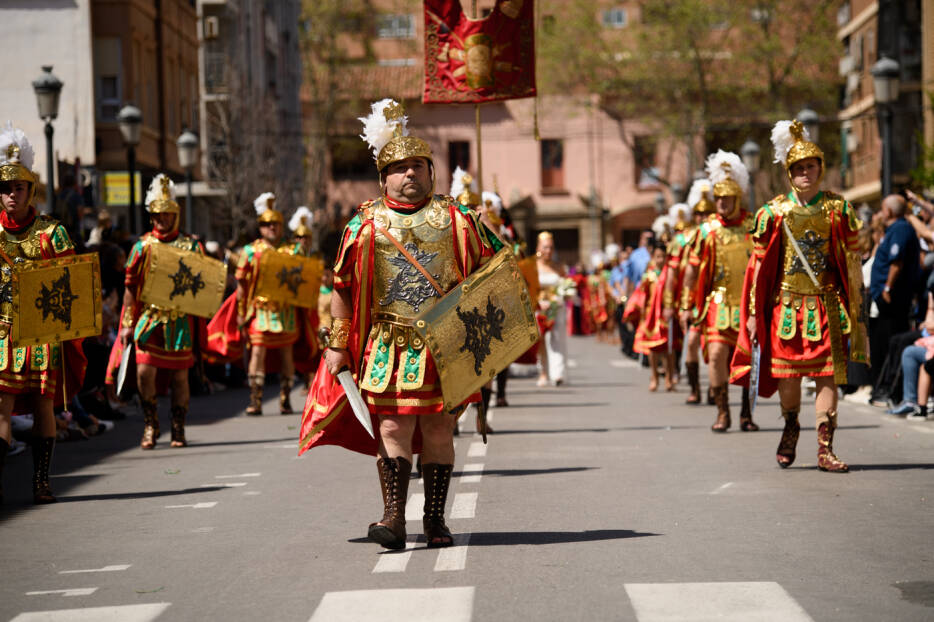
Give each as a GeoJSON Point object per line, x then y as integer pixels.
{"type": "Point", "coordinates": [409, 257]}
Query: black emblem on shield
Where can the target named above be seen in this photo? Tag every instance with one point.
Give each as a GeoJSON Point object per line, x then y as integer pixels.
{"type": "Point", "coordinates": [480, 330]}
{"type": "Point", "coordinates": [185, 280]}
{"type": "Point", "coordinates": [291, 278]}
{"type": "Point", "coordinates": [57, 300]}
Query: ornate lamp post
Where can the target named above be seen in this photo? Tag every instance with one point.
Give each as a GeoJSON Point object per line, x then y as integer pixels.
{"type": "Point", "coordinates": [187, 145]}
{"type": "Point", "coordinates": [810, 120]}
{"type": "Point", "coordinates": [48, 88]}
{"type": "Point", "coordinates": [885, 81]}
{"type": "Point", "coordinates": [750, 152]}
{"type": "Point", "coordinates": [130, 120]}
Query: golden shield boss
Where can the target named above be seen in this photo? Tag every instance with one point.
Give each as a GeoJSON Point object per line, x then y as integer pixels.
{"type": "Point", "coordinates": [290, 279]}
{"type": "Point", "coordinates": [184, 281]}
{"type": "Point", "coordinates": [478, 328]}
{"type": "Point", "coordinates": [57, 300]}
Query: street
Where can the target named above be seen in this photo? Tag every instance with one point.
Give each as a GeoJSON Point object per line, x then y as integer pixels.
{"type": "Point", "coordinates": [596, 500]}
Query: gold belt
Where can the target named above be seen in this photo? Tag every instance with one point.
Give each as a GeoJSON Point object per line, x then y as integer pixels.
{"type": "Point", "coordinates": [391, 318]}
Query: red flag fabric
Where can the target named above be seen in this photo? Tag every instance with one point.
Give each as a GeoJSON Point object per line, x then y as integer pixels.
{"type": "Point", "coordinates": [473, 61]}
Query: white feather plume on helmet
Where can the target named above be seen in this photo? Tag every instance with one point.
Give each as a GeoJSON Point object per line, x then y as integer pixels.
{"type": "Point", "coordinates": [783, 140]}
{"type": "Point", "coordinates": [700, 191]}
{"type": "Point", "coordinates": [727, 173]}
{"type": "Point", "coordinates": [612, 250]}
{"type": "Point", "coordinates": [792, 143]}
{"type": "Point", "coordinates": [464, 187]}
{"type": "Point", "coordinates": [302, 216]}
{"type": "Point", "coordinates": [160, 197]}
{"type": "Point", "coordinates": [378, 130]}
{"type": "Point", "coordinates": [494, 201]}
{"type": "Point", "coordinates": [660, 225]}
{"type": "Point", "coordinates": [597, 259]}
{"type": "Point", "coordinates": [265, 212]}
{"type": "Point", "coordinates": [679, 213]}
{"type": "Point", "coordinates": [15, 148]}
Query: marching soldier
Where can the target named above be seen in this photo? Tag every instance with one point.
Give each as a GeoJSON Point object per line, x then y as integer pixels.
{"type": "Point", "coordinates": [804, 295]}
{"type": "Point", "coordinates": [715, 276]}
{"type": "Point", "coordinates": [399, 255]}
{"type": "Point", "coordinates": [29, 375]}
{"type": "Point", "coordinates": [270, 325]}
{"type": "Point", "coordinates": [163, 339]}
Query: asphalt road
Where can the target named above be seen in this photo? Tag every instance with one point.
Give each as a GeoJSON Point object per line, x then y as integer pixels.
{"type": "Point", "coordinates": [592, 501]}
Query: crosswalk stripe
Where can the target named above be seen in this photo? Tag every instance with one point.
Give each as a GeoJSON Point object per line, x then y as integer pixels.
{"type": "Point", "coordinates": [445, 604]}
{"type": "Point", "coordinates": [113, 568]}
{"type": "Point", "coordinates": [237, 476]}
{"type": "Point", "coordinates": [415, 507]}
{"type": "Point", "coordinates": [75, 591]}
{"type": "Point", "coordinates": [465, 505]}
{"type": "Point", "coordinates": [476, 450]}
{"type": "Point", "coordinates": [471, 473]}
{"type": "Point", "coordinates": [396, 561]}
{"type": "Point", "coordinates": [195, 506]}
{"type": "Point", "coordinates": [764, 601]}
{"type": "Point", "coordinates": [454, 557]}
{"type": "Point", "coordinates": [122, 613]}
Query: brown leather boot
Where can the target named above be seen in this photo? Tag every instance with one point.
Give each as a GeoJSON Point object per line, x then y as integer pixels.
{"type": "Point", "coordinates": [285, 396]}
{"type": "Point", "coordinates": [178, 425]}
{"type": "Point", "coordinates": [437, 480]}
{"type": "Point", "coordinates": [826, 460]}
{"type": "Point", "coordinates": [711, 400]}
{"type": "Point", "coordinates": [394, 474]}
{"type": "Point", "coordinates": [693, 370]}
{"type": "Point", "coordinates": [785, 454]}
{"type": "Point", "coordinates": [41, 463]}
{"type": "Point", "coordinates": [746, 424]}
{"type": "Point", "coordinates": [256, 395]}
{"type": "Point", "coordinates": [150, 423]}
{"type": "Point", "coordinates": [721, 397]}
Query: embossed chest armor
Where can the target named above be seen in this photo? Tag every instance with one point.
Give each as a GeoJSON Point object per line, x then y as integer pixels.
{"type": "Point", "coordinates": [810, 226]}
{"type": "Point", "coordinates": [19, 247]}
{"type": "Point", "coordinates": [733, 248]}
{"type": "Point", "coordinates": [400, 289]}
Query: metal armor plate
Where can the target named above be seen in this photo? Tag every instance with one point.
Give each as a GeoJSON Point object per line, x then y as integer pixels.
{"type": "Point", "coordinates": [183, 281]}
{"type": "Point", "coordinates": [56, 300]}
{"type": "Point", "coordinates": [290, 279]}
{"type": "Point", "coordinates": [479, 327]}
{"type": "Point", "coordinates": [733, 249]}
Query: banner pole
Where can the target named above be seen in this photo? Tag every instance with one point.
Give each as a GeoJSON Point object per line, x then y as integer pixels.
{"type": "Point", "coordinates": [479, 150]}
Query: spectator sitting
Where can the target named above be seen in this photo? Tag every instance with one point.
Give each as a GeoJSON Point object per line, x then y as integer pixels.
{"type": "Point", "coordinates": [916, 382]}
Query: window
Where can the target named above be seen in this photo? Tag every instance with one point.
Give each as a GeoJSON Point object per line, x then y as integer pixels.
{"type": "Point", "coordinates": [458, 155]}
{"type": "Point", "coordinates": [614, 18]}
{"type": "Point", "coordinates": [552, 164]}
{"type": "Point", "coordinates": [108, 70]}
{"type": "Point", "coordinates": [395, 26]}
{"type": "Point", "coordinates": [108, 88]}
{"type": "Point", "coordinates": [643, 155]}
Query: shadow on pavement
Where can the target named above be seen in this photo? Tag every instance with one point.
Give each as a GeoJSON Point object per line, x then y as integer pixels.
{"type": "Point", "coordinates": [139, 495]}
{"type": "Point", "coordinates": [513, 538]}
{"type": "Point", "coordinates": [892, 467]}
{"type": "Point", "coordinates": [521, 472]}
{"type": "Point", "coordinates": [501, 432]}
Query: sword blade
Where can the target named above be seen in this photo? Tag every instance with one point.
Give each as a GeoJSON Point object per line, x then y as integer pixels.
{"type": "Point", "coordinates": [124, 363]}
{"type": "Point", "coordinates": [754, 377]}
{"type": "Point", "coordinates": [357, 405]}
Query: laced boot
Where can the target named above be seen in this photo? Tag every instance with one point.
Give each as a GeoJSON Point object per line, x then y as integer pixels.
{"type": "Point", "coordinates": [746, 424]}
{"type": "Point", "coordinates": [4, 448]}
{"type": "Point", "coordinates": [785, 454]}
{"type": "Point", "coordinates": [41, 463]}
{"type": "Point", "coordinates": [437, 480]}
{"type": "Point", "coordinates": [178, 425]}
{"type": "Point", "coordinates": [483, 427]}
{"type": "Point", "coordinates": [826, 460]}
{"type": "Point", "coordinates": [721, 396]}
{"type": "Point", "coordinates": [285, 396]}
{"type": "Point", "coordinates": [693, 370]}
{"type": "Point", "coordinates": [256, 395]}
{"type": "Point", "coordinates": [711, 400]}
{"type": "Point", "coordinates": [150, 423]}
{"type": "Point", "coordinates": [394, 474]}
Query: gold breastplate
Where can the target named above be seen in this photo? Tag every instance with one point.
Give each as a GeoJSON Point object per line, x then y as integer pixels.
{"type": "Point", "coordinates": [400, 289]}
{"type": "Point", "coordinates": [810, 227]}
{"type": "Point", "coordinates": [733, 248]}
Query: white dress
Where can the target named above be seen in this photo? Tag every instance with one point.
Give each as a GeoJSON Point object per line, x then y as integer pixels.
{"type": "Point", "coordinates": [556, 339]}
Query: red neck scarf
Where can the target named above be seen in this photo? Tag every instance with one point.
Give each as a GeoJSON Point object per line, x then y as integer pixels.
{"type": "Point", "coordinates": [14, 226]}
{"type": "Point", "coordinates": [734, 222]}
{"type": "Point", "coordinates": [405, 207]}
{"type": "Point", "coordinates": [165, 237]}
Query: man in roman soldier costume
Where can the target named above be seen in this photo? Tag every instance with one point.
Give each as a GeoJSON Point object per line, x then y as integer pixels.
{"type": "Point", "coordinates": [31, 377]}
{"type": "Point", "coordinates": [306, 351]}
{"type": "Point", "coordinates": [270, 325]}
{"type": "Point", "coordinates": [163, 339]}
{"type": "Point", "coordinates": [715, 276]}
{"type": "Point", "coordinates": [804, 296]}
{"type": "Point", "coordinates": [677, 296]}
{"type": "Point", "coordinates": [398, 256]}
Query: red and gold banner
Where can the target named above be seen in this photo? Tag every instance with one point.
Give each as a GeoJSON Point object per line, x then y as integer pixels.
{"type": "Point", "coordinates": [479, 60]}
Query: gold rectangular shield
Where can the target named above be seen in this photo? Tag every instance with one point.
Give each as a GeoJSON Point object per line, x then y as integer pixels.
{"type": "Point", "coordinates": [478, 328]}
{"type": "Point", "coordinates": [290, 279]}
{"type": "Point", "coordinates": [184, 281]}
{"type": "Point", "coordinates": [57, 300]}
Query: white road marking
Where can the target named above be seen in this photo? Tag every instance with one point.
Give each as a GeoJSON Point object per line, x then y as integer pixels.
{"type": "Point", "coordinates": [490, 412]}
{"type": "Point", "coordinates": [924, 429]}
{"type": "Point", "coordinates": [692, 602]}
{"type": "Point", "coordinates": [114, 568]}
{"type": "Point", "coordinates": [75, 591]}
{"type": "Point", "coordinates": [396, 561]}
{"type": "Point", "coordinates": [252, 493]}
{"type": "Point", "coordinates": [624, 363]}
{"type": "Point", "coordinates": [286, 446]}
{"type": "Point", "coordinates": [237, 476]}
{"type": "Point", "coordinates": [195, 506]}
{"type": "Point", "coordinates": [446, 604]}
{"type": "Point", "coordinates": [465, 505]}
{"type": "Point", "coordinates": [475, 471]}
{"type": "Point", "coordinates": [202, 530]}
{"type": "Point", "coordinates": [572, 363]}
{"type": "Point", "coordinates": [722, 488]}
{"type": "Point", "coordinates": [454, 557]}
{"type": "Point", "coordinates": [476, 450]}
{"type": "Point", "coordinates": [124, 613]}
{"type": "Point", "coordinates": [224, 485]}
{"type": "Point", "coordinates": [415, 507]}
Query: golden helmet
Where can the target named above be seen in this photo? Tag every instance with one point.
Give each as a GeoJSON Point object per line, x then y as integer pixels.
{"type": "Point", "coordinates": [160, 198]}
{"type": "Point", "coordinates": [463, 188]}
{"type": "Point", "coordinates": [700, 198]}
{"type": "Point", "coordinates": [728, 174]}
{"type": "Point", "coordinates": [386, 132]}
{"type": "Point", "coordinates": [264, 205]}
{"type": "Point", "coordinates": [16, 158]}
{"type": "Point", "coordinates": [792, 143]}
{"type": "Point", "coordinates": [301, 221]}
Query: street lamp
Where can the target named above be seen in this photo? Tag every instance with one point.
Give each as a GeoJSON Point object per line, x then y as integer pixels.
{"type": "Point", "coordinates": [809, 120]}
{"type": "Point", "coordinates": [885, 74]}
{"type": "Point", "coordinates": [751, 153]}
{"type": "Point", "coordinates": [48, 88]}
{"type": "Point", "coordinates": [130, 120]}
{"type": "Point", "coordinates": [187, 145]}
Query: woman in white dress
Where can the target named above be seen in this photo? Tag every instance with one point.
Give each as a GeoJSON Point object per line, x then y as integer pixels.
{"type": "Point", "coordinates": [552, 351]}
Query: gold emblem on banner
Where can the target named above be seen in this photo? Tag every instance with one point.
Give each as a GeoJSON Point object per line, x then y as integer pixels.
{"type": "Point", "coordinates": [184, 281]}
{"type": "Point", "coordinates": [57, 300]}
{"type": "Point", "coordinates": [290, 279]}
{"type": "Point", "coordinates": [479, 327]}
